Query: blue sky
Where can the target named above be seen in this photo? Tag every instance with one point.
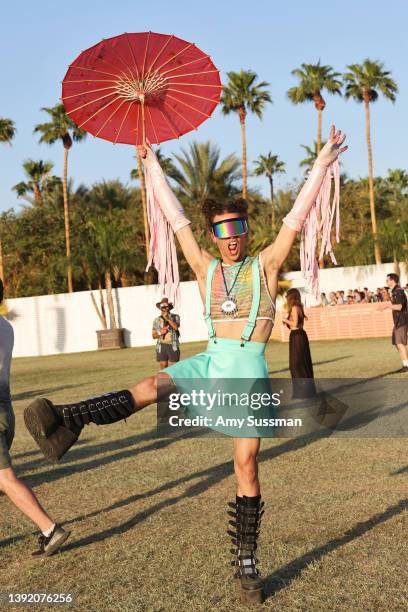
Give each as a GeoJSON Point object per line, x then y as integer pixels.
{"type": "Point", "coordinates": [39, 40]}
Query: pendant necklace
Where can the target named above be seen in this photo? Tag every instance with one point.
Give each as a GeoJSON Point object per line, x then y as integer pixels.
{"type": "Point", "coordinates": [229, 306]}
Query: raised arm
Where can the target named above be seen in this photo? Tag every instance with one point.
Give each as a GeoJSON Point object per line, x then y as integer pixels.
{"type": "Point", "coordinates": [275, 254]}
{"type": "Point", "coordinates": [196, 257]}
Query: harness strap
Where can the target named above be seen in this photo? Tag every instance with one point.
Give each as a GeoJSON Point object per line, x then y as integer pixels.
{"type": "Point", "coordinates": [207, 316]}
{"type": "Point", "coordinates": [256, 297]}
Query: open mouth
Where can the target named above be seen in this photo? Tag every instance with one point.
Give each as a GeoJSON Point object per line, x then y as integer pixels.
{"type": "Point", "coordinates": [233, 248]}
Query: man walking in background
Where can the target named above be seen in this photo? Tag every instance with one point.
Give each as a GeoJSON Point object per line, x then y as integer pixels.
{"type": "Point", "coordinates": [399, 306]}
{"type": "Point", "coordinates": [52, 536]}
{"type": "Point", "coordinates": [166, 332]}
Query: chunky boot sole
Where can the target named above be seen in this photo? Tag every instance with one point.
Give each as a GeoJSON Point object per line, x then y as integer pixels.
{"type": "Point", "coordinates": [53, 439]}
{"type": "Point", "coordinates": [249, 597]}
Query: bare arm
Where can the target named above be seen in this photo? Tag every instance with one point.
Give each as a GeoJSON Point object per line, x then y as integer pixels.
{"type": "Point", "coordinates": [292, 321]}
{"type": "Point", "coordinates": [197, 258]}
{"type": "Point", "coordinates": [389, 306]}
{"type": "Point", "coordinates": [157, 334]}
{"type": "Point", "coordinates": [276, 253]}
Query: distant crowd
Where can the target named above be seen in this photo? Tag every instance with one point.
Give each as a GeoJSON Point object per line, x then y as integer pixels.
{"type": "Point", "coordinates": [357, 296]}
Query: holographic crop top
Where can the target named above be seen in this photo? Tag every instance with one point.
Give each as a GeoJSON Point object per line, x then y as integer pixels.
{"type": "Point", "coordinates": [242, 292]}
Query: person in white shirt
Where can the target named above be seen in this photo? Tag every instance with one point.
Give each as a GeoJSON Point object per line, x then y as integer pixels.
{"type": "Point", "coordinates": [52, 536]}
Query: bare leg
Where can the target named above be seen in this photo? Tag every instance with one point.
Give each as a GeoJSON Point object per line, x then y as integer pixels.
{"type": "Point", "coordinates": [163, 364]}
{"type": "Point", "coordinates": [402, 349]}
{"type": "Point", "coordinates": [25, 500]}
{"type": "Point", "coordinates": [246, 466]}
{"type": "Point", "coordinates": [145, 392]}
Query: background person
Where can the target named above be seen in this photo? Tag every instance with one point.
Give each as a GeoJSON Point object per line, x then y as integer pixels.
{"type": "Point", "coordinates": [343, 297]}
{"type": "Point", "coordinates": [385, 294]}
{"type": "Point", "coordinates": [357, 296]}
{"type": "Point", "coordinates": [323, 299]}
{"type": "Point", "coordinates": [52, 535]}
{"type": "Point", "coordinates": [166, 332]}
{"type": "Point", "coordinates": [300, 360]}
{"type": "Point", "coordinates": [239, 293]}
{"type": "Point", "coordinates": [332, 299]}
{"type": "Point", "coordinates": [398, 303]}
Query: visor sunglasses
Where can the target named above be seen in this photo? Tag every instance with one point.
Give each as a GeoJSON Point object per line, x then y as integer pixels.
{"type": "Point", "coordinates": [230, 227]}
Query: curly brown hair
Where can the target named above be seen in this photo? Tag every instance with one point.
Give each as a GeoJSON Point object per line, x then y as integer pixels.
{"type": "Point", "coordinates": [211, 208]}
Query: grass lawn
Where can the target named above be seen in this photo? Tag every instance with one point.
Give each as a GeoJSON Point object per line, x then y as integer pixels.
{"type": "Point", "coordinates": [148, 515]}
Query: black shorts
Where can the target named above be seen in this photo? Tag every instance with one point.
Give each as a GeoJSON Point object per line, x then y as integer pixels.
{"type": "Point", "coordinates": [167, 353]}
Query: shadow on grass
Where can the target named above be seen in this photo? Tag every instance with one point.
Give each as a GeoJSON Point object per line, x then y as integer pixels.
{"type": "Point", "coordinates": [315, 363]}
{"type": "Point", "coordinates": [282, 577]}
{"type": "Point", "coordinates": [127, 446]}
{"type": "Point", "coordinates": [87, 450]}
{"type": "Point", "coordinates": [402, 470]}
{"type": "Point", "coordinates": [209, 476]}
{"type": "Point", "coordinates": [365, 417]}
{"type": "Point", "coordinates": [37, 453]}
{"type": "Point", "coordinates": [26, 395]}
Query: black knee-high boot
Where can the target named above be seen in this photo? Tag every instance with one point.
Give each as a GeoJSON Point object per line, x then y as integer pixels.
{"type": "Point", "coordinates": [247, 514]}
{"type": "Point", "coordinates": [55, 428]}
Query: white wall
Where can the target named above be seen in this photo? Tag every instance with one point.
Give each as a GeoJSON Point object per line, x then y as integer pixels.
{"type": "Point", "coordinates": [353, 277]}
{"type": "Point", "coordinates": [66, 323]}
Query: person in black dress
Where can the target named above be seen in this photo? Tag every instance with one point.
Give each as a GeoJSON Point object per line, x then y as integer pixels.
{"type": "Point", "coordinates": [300, 360]}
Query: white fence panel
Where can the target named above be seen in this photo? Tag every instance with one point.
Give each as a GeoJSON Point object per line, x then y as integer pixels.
{"type": "Point", "coordinates": [66, 323]}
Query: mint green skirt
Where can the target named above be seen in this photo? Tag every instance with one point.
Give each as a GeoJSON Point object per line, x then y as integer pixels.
{"type": "Point", "coordinates": [230, 385]}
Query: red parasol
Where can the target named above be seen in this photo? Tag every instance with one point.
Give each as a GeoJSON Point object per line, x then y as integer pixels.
{"type": "Point", "coordinates": [140, 86]}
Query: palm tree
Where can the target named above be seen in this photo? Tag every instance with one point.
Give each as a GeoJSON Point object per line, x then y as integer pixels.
{"type": "Point", "coordinates": [315, 78]}
{"type": "Point", "coordinates": [62, 128]}
{"type": "Point", "coordinates": [364, 83]}
{"type": "Point", "coordinates": [311, 155]}
{"type": "Point", "coordinates": [7, 130]}
{"type": "Point", "coordinates": [241, 95]}
{"type": "Point", "coordinates": [203, 174]}
{"type": "Point", "coordinates": [269, 165]}
{"type": "Point", "coordinates": [165, 162]}
{"type": "Point", "coordinates": [39, 181]}
{"type": "Point", "coordinates": [7, 133]}
{"type": "Point", "coordinates": [108, 241]}
{"type": "Point", "coordinates": [397, 186]}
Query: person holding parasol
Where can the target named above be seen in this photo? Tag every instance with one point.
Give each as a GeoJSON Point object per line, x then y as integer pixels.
{"type": "Point", "coordinates": [140, 85]}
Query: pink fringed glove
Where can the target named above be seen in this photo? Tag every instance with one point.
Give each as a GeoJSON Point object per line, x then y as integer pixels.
{"type": "Point", "coordinates": [313, 213]}
{"type": "Point", "coordinates": [296, 218]}
{"type": "Point", "coordinates": [166, 216]}
{"type": "Point", "coordinates": [164, 196]}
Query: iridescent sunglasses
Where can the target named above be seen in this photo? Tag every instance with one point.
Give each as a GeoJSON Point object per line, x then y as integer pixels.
{"type": "Point", "coordinates": [230, 227]}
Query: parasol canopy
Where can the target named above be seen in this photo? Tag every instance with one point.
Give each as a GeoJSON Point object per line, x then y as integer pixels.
{"type": "Point", "coordinates": [139, 86]}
